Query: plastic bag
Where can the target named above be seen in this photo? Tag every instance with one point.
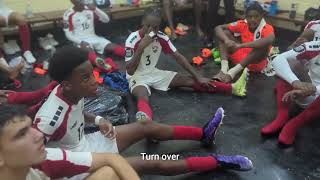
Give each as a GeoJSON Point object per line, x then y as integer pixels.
{"type": "Point", "coordinates": [108, 104]}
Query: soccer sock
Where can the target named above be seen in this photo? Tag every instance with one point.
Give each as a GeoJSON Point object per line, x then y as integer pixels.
{"type": "Point", "coordinates": [24, 32]}
{"type": "Point", "coordinates": [201, 164]}
{"type": "Point", "coordinates": [218, 87]}
{"type": "Point", "coordinates": [235, 70]}
{"type": "Point", "coordinates": [144, 106]}
{"type": "Point", "coordinates": [289, 131]}
{"type": "Point", "coordinates": [187, 133]}
{"type": "Point", "coordinates": [31, 97]}
{"type": "Point", "coordinates": [119, 51]}
{"type": "Point", "coordinates": [92, 57]}
{"type": "Point", "coordinates": [224, 66]}
{"type": "Point", "coordinates": [282, 87]}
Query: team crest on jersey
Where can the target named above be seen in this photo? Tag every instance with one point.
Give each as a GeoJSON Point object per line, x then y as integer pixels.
{"type": "Point", "coordinates": [155, 49]}
{"type": "Point", "coordinates": [129, 52]}
{"type": "Point", "coordinates": [300, 48]}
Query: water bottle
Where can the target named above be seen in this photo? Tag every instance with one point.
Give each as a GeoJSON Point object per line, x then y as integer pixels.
{"type": "Point", "coordinates": [273, 8]}
{"type": "Point", "coordinates": [29, 13]}
{"type": "Point", "coordinates": [293, 10]}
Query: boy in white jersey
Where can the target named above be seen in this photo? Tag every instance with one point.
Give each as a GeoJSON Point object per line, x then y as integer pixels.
{"type": "Point", "coordinates": [61, 119]}
{"type": "Point", "coordinates": [143, 49]}
{"type": "Point", "coordinates": [9, 18]}
{"type": "Point", "coordinates": [311, 32]}
{"type": "Point", "coordinates": [79, 27]}
{"type": "Point", "coordinates": [23, 154]}
{"type": "Point", "coordinates": [291, 90]}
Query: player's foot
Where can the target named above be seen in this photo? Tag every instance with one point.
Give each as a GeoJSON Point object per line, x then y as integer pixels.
{"type": "Point", "coordinates": [210, 129]}
{"type": "Point", "coordinates": [239, 88]}
{"type": "Point", "coordinates": [142, 117]}
{"type": "Point", "coordinates": [237, 162]}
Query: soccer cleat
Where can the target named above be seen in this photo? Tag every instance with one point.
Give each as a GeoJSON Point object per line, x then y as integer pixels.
{"type": "Point", "coordinates": [29, 57]}
{"type": "Point", "coordinates": [44, 43]}
{"type": "Point", "coordinates": [210, 129]}
{"type": "Point", "coordinates": [142, 117]}
{"type": "Point", "coordinates": [239, 88]}
{"type": "Point", "coordinates": [237, 162]}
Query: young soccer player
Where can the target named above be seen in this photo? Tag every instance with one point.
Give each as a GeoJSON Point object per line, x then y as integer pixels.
{"type": "Point", "coordinates": [61, 119]}
{"type": "Point", "coordinates": [246, 42]}
{"type": "Point", "coordinates": [23, 155]}
{"type": "Point", "coordinates": [80, 29]}
{"type": "Point", "coordinates": [8, 18]}
{"type": "Point", "coordinates": [291, 91]}
{"type": "Point", "coordinates": [310, 33]}
{"type": "Point", "coordinates": [143, 49]}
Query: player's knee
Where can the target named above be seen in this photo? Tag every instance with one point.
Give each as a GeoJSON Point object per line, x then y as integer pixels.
{"type": "Point", "coordinates": [104, 173]}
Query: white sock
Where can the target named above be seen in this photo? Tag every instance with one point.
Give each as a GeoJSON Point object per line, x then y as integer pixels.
{"type": "Point", "coordinates": [224, 66]}
{"type": "Point", "coordinates": [235, 70]}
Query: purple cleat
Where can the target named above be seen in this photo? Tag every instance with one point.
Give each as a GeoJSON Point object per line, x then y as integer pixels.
{"type": "Point", "coordinates": [239, 163]}
{"type": "Point", "coordinates": [210, 129]}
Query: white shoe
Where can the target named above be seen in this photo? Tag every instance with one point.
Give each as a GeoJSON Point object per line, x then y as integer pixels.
{"type": "Point", "coordinates": [51, 40]}
{"type": "Point", "coordinates": [44, 43]}
{"type": "Point", "coordinates": [29, 57]}
{"type": "Point", "coordinates": [8, 49]}
{"type": "Point", "coordinates": [14, 45]}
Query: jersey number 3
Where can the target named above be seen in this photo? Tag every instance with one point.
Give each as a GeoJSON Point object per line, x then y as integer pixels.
{"type": "Point", "coordinates": [148, 60]}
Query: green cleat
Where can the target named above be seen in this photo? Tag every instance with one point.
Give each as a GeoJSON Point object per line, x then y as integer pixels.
{"type": "Point", "coordinates": [239, 88]}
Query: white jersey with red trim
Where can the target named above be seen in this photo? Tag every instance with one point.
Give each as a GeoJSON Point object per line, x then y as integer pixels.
{"type": "Point", "coordinates": [315, 26]}
{"type": "Point", "coordinates": [151, 53]}
{"type": "Point", "coordinates": [60, 163]}
{"type": "Point", "coordinates": [61, 122]}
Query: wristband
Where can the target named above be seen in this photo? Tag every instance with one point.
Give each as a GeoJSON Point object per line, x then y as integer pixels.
{"type": "Point", "coordinates": [97, 120]}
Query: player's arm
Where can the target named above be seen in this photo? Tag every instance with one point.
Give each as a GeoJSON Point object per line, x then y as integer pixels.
{"type": "Point", "coordinates": [260, 43]}
{"type": "Point", "coordinates": [103, 17]}
{"type": "Point", "coordinates": [185, 64]}
{"type": "Point", "coordinates": [116, 162]}
{"type": "Point", "coordinates": [306, 36]}
{"type": "Point", "coordinates": [68, 30]}
{"type": "Point", "coordinates": [133, 61]}
{"type": "Point", "coordinates": [219, 31]}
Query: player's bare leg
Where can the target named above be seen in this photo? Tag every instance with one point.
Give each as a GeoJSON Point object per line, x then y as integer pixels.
{"type": "Point", "coordinates": [168, 12]}
{"type": "Point", "coordinates": [144, 113]}
{"type": "Point", "coordinates": [104, 173]}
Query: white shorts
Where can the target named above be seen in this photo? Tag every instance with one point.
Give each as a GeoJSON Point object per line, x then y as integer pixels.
{"type": "Point", "coordinates": [96, 42]}
{"type": "Point", "coordinates": [97, 143]}
{"type": "Point", "coordinates": [157, 79]}
{"type": "Point", "coordinates": [5, 12]}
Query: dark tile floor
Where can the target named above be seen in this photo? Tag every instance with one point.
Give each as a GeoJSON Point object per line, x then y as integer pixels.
{"type": "Point", "coordinates": [240, 132]}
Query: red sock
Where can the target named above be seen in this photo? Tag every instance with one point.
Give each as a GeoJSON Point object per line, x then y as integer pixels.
{"type": "Point", "coordinates": [119, 51]}
{"type": "Point", "coordinates": [201, 164]}
{"type": "Point", "coordinates": [289, 131]}
{"type": "Point", "coordinates": [144, 106]}
{"type": "Point", "coordinates": [218, 87]}
{"type": "Point", "coordinates": [283, 109]}
{"type": "Point", "coordinates": [187, 133]}
{"type": "Point", "coordinates": [24, 32]}
{"type": "Point", "coordinates": [31, 98]}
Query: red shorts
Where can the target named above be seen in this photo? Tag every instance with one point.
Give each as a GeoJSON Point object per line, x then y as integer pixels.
{"type": "Point", "coordinates": [240, 54]}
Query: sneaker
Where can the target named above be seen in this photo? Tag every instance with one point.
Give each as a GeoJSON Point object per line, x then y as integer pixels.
{"type": "Point", "coordinates": [44, 43]}
{"type": "Point", "coordinates": [51, 40]}
{"type": "Point", "coordinates": [14, 45]}
{"type": "Point", "coordinates": [210, 129]}
{"type": "Point", "coordinates": [239, 88]}
{"type": "Point", "coordinates": [182, 27]}
{"type": "Point", "coordinates": [8, 49]}
{"type": "Point", "coordinates": [239, 163]}
{"type": "Point", "coordinates": [142, 117]}
{"type": "Point", "coordinates": [29, 57]}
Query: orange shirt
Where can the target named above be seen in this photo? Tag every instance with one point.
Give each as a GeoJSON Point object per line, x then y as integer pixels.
{"type": "Point", "coordinates": [242, 28]}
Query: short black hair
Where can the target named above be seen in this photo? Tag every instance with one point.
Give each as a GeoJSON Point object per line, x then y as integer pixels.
{"type": "Point", "coordinates": [152, 11]}
{"type": "Point", "coordinates": [8, 112]}
{"type": "Point", "coordinates": [65, 60]}
{"type": "Point", "coordinates": [255, 5]}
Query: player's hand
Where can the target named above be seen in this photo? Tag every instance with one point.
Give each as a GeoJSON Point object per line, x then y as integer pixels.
{"type": "Point", "coordinates": [146, 40]}
{"type": "Point", "coordinates": [205, 82]}
{"type": "Point", "coordinates": [293, 95]}
{"type": "Point", "coordinates": [307, 88]}
{"type": "Point", "coordinates": [106, 128]}
{"type": "Point", "coordinates": [4, 96]}
{"type": "Point", "coordinates": [85, 45]}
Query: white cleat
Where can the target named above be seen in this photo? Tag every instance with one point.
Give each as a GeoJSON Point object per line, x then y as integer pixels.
{"type": "Point", "coordinates": [14, 45]}
{"type": "Point", "coordinates": [29, 57]}
{"type": "Point", "coordinates": [44, 43]}
{"type": "Point", "coordinates": [51, 40]}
